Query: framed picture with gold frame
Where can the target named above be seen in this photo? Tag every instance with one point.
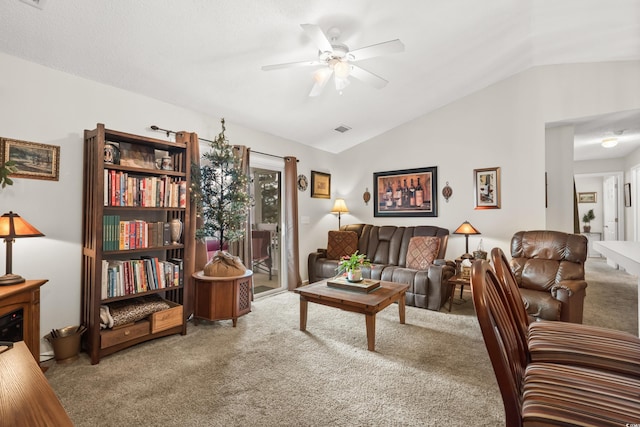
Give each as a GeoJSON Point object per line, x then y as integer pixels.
{"type": "Point", "coordinates": [32, 160]}
{"type": "Point", "coordinates": [320, 185]}
{"type": "Point", "coordinates": [486, 188]}
{"type": "Point", "coordinates": [588, 197]}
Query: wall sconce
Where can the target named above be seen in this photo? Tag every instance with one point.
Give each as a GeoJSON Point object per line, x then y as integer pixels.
{"type": "Point", "coordinates": [466, 229]}
{"type": "Point", "coordinates": [366, 196]}
{"type": "Point", "coordinates": [339, 207]}
{"type": "Point", "coordinates": [12, 226]}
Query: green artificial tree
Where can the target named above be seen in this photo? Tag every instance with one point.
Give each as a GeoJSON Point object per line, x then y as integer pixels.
{"type": "Point", "coordinates": [223, 192]}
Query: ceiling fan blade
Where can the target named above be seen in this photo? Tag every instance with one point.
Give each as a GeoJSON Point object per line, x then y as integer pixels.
{"type": "Point", "coordinates": [384, 48]}
{"type": "Point", "coordinates": [292, 64]}
{"type": "Point", "coordinates": [368, 77]}
{"type": "Point", "coordinates": [316, 34]}
{"type": "Point", "coordinates": [321, 77]}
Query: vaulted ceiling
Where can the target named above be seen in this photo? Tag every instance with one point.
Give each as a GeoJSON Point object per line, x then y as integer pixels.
{"type": "Point", "coordinates": [207, 55]}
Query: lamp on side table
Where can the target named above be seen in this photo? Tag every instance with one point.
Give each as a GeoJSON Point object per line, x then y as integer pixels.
{"type": "Point", "coordinates": [12, 226]}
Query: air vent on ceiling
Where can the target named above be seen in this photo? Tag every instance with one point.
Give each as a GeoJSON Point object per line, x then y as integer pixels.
{"type": "Point", "coordinates": [342, 128]}
{"type": "Point", "coordinates": [35, 3]}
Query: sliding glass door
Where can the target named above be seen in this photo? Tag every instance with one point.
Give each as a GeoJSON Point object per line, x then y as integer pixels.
{"type": "Point", "coordinates": [266, 224]}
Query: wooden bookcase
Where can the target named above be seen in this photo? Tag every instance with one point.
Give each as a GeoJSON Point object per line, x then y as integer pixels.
{"type": "Point", "coordinates": [105, 204]}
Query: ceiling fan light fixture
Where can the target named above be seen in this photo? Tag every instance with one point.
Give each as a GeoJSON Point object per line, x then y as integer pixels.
{"type": "Point", "coordinates": [341, 69]}
{"type": "Point", "coordinates": [609, 142]}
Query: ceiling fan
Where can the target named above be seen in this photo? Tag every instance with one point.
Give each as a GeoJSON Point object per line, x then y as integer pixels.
{"type": "Point", "coordinates": [338, 60]}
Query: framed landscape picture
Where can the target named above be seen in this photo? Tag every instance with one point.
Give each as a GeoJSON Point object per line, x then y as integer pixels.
{"type": "Point", "coordinates": [486, 186]}
{"type": "Point", "coordinates": [33, 160]}
{"type": "Point", "coordinates": [587, 197]}
{"type": "Point", "coordinates": [320, 185]}
{"type": "Point", "coordinates": [408, 192]}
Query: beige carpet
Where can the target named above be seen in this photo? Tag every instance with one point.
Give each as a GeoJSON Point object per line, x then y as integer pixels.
{"type": "Point", "coordinates": [433, 371]}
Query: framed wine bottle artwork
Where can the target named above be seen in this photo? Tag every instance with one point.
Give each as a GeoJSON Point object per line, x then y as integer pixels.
{"type": "Point", "coordinates": [407, 192]}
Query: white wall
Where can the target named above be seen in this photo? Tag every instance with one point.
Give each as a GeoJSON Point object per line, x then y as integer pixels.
{"type": "Point", "coordinates": [502, 125]}
{"type": "Point", "coordinates": [558, 163]}
{"type": "Point", "coordinates": [591, 184]}
{"type": "Point", "coordinates": [50, 107]}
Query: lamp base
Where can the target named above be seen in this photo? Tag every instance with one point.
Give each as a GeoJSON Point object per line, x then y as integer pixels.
{"type": "Point", "coordinates": [11, 279]}
{"type": "Point", "coordinates": [466, 256]}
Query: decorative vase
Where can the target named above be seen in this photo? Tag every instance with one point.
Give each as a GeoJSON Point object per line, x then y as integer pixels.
{"type": "Point", "coordinates": [175, 225]}
{"type": "Point", "coordinates": [354, 275]}
{"type": "Point", "coordinates": [587, 228]}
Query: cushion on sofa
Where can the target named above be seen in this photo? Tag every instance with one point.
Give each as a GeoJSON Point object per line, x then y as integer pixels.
{"type": "Point", "coordinates": [422, 251]}
{"type": "Point", "coordinates": [341, 243]}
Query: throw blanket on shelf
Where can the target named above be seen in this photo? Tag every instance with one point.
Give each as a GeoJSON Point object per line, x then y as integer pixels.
{"type": "Point", "coordinates": [128, 311]}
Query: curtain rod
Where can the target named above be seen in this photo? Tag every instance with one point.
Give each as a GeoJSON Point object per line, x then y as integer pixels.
{"type": "Point", "coordinates": [169, 132]}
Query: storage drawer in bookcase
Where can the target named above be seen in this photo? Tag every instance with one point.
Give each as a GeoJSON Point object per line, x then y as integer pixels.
{"type": "Point", "coordinates": [124, 333]}
{"type": "Point", "coordinates": [165, 319]}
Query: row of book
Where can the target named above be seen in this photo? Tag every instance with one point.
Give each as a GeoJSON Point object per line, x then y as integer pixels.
{"type": "Point", "coordinates": [127, 277]}
{"type": "Point", "coordinates": [120, 189]}
{"type": "Point", "coordinates": [119, 235]}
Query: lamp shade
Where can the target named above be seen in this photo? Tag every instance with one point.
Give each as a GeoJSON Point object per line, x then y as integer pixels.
{"type": "Point", "coordinates": [466, 228]}
{"type": "Point", "coordinates": [339, 207]}
{"type": "Point", "coordinates": [14, 226]}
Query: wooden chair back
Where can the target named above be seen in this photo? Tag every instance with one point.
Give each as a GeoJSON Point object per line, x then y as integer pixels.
{"type": "Point", "coordinates": [510, 290]}
{"type": "Point", "coordinates": [501, 337]}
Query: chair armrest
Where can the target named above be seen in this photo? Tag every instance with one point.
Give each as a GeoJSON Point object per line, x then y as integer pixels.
{"type": "Point", "coordinates": [569, 286]}
{"type": "Point", "coordinates": [311, 263]}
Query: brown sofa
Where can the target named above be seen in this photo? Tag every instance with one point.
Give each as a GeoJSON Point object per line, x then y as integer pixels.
{"type": "Point", "coordinates": [387, 247]}
{"type": "Point", "coordinates": [549, 269]}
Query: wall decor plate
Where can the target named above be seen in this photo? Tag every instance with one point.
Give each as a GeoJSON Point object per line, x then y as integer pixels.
{"type": "Point", "coordinates": [303, 183]}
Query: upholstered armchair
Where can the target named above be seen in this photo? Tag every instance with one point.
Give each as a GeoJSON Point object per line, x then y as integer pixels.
{"type": "Point", "coordinates": [549, 269]}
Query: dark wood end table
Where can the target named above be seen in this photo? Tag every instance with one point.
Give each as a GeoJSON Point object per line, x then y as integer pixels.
{"type": "Point", "coordinates": [455, 281]}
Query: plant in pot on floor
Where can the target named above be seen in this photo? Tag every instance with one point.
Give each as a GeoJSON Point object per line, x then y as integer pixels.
{"type": "Point", "coordinates": [586, 219]}
{"type": "Point", "coordinates": [224, 204]}
{"type": "Point", "coordinates": [352, 265]}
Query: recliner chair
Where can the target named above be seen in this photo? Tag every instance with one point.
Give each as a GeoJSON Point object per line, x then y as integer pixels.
{"type": "Point", "coordinates": [549, 269]}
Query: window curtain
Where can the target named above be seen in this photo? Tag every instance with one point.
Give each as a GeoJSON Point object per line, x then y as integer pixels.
{"type": "Point", "coordinates": [242, 248]}
{"type": "Point", "coordinates": [195, 256]}
{"type": "Point", "coordinates": [291, 223]}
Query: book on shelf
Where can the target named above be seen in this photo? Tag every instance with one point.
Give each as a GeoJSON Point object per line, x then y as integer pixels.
{"type": "Point", "coordinates": [364, 286]}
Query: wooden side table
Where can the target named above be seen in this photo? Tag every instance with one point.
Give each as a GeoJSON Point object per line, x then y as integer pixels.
{"type": "Point", "coordinates": [222, 298]}
{"type": "Point", "coordinates": [25, 296]}
{"type": "Point", "coordinates": [455, 281]}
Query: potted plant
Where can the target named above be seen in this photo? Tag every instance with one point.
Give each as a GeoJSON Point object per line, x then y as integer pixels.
{"type": "Point", "coordinates": [586, 219]}
{"type": "Point", "coordinates": [223, 196]}
{"type": "Point", "coordinates": [352, 266]}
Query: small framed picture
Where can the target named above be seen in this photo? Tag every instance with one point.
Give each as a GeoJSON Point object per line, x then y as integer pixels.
{"type": "Point", "coordinates": [587, 197]}
{"type": "Point", "coordinates": [320, 185]}
{"type": "Point", "coordinates": [33, 160]}
{"type": "Point", "coordinates": [627, 195]}
{"type": "Point", "coordinates": [486, 188]}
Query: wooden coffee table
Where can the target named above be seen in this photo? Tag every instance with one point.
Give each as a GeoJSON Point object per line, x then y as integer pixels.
{"type": "Point", "coordinates": [368, 304]}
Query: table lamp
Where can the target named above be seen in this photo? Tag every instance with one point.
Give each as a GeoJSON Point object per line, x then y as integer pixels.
{"type": "Point", "coordinates": [12, 226]}
{"type": "Point", "coordinates": [466, 229]}
{"type": "Point", "coordinates": [339, 207]}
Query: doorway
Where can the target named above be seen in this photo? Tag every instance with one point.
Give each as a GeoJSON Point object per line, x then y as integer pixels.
{"type": "Point", "coordinates": [607, 204]}
{"type": "Point", "coordinates": [266, 225]}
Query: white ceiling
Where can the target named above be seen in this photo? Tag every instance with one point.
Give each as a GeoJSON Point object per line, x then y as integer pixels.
{"type": "Point", "coordinates": [206, 55]}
